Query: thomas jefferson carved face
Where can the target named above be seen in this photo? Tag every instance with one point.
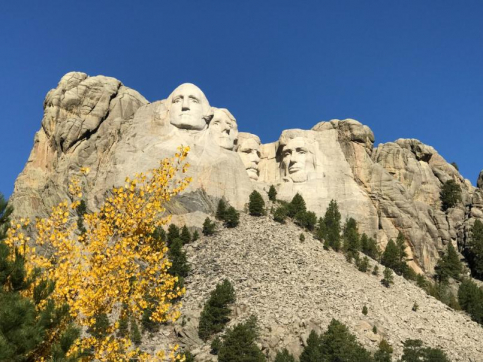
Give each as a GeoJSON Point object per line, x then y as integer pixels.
{"type": "Point", "coordinates": [188, 107]}
{"type": "Point", "coordinates": [297, 160]}
{"type": "Point", "coordinates": [249, 151]}
{"type": "Point", "coordinates": [224, 129]}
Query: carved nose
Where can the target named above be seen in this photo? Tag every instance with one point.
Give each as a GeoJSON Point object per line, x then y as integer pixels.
{"type": "Point", "coordinates": [185, 105]}
{"type": "Point", "coordinates": [254, 158]}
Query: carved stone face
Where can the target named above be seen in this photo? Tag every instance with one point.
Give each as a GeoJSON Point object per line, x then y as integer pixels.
{"type": "Point", "coordinates": [249, 151]}
{"type": "Point", "coordinates": [224, 129]}
{"type": "Point", "coordinates": [297, 160]}
{"type": "Point", "coordinates": [187, 108]}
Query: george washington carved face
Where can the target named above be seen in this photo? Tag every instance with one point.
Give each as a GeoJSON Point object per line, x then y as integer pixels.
{"type": "Point", "coordinates": [188, 108]}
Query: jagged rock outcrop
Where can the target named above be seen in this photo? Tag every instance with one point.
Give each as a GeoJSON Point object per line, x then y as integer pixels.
{"type": "Point", "coordinates": [99, 123]}
{"type": "Point", "coordinates": [294, 287]}
{"type": "Point", "coordinates": [82, 119]}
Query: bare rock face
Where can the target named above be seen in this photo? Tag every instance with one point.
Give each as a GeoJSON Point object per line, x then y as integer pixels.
{"type": "Point", "coordinates": [82, 120]}
{"type": "Point", "coordinates": [99, 123]}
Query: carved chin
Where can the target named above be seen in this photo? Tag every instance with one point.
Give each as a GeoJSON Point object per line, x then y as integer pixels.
{"type": "Point", "coordinates": [299, 176]}
{"type": "Point", "coordinates": [226, 144]}
{"type": "Point", "coordinates": [188, 122]}
{"type": "Point", "coordinates": [252, 174]}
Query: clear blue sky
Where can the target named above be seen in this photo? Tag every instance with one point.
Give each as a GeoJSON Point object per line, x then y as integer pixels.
{"type": "Point", "coordinates": [407, 69]}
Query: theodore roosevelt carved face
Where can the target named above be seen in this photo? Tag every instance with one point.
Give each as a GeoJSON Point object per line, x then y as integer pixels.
{"type": "Point", "coordinates": [297, 159]}
{"type": "Point", "coordinates": [188, 108]}
{"type": "Point", "coordinates": [224, 129]}
{"type": "Point", "coordinates": [249, 151]}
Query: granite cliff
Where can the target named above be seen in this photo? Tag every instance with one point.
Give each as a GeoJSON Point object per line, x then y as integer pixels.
{"type": "Point", "coordinates": [99, 123]}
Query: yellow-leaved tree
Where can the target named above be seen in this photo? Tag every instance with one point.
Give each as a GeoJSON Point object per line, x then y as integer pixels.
{"type": "Point", "coordinates": [114, 268]}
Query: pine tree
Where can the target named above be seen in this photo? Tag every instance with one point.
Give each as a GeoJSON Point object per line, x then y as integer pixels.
{"type": "Point", "coordinates": [311, 352]}
{"type": "Point", "coordinates": [123, 327]}
{"type": "Point", "coordinates": [390, 256]}
{"type": "Point", "coordinates": [338, 344]}
{"type": "Point", "coordinates": [5, 212]}
{"type": "Point", "coordinates": [188, 357]}
{"type": "Point", "coordinates": [239, 344]}
{"type": "Point", "coordinates": [280, 214]}
{"type": "Point", "coordinates": [384, 353]}
{"type": "Point", "coordinates": [196, 235]}
{"type": "Point", "coordinates": [450, 194]}
{"type": "Point", "coordinates": [81, 211]}
{"type": "Point", "coordinates": [375, 271]}
{"type": "Point", "coordinates": [208, 227]}
{"type": "Point", "coordinates": [332, 227]}
{"type": "Point", "coordinates": [232, 217]}
{"type": "Point", "coordinates": [296, 205]}
{"type": "Point", "coordinates": [300, 218]}
{"type": "Point", "coordinates": [388, 278]}
{"type": "Point", "coordinates": [256, 206]}
{"type": "Point", "coordinates": [159, 238]}
{"type": "Point", "coordinates": [351, 238]}
{"type": "Point", "coordinates": [320, 232]}
{"type": "Point", "coordinates": [369, 247]}
{"type": "Point", "coordinates": [284, 356]}
{"type": "Point", "coordinates": [474, 251]}
{"type": "Point", "coordinates": [272, 193]}
{"type": "Point", "coordinates": [401, 246]}
{"type": "Point", "coordinates": [173, 233]}
{"type": "Point", "coordinates": [221, 210]}
{"type": "Point", "coordinates": [147, 323]}
{"type": "Point", "coordinates": [135, 334]}
{"type": "Point", "coordinates": [415, 352]}
{"type": "Point", "coordinates": [363, 264]}
{"type": "Point", "coordinates": [216, 344]}
{"type": "Point", "coordinates": [470, 298]}
{"type": "Point", "coordinates": [185, 235]}
{"type": "Point", "coordinates": [215, 313]}
{"type": "Point", "coordinates": [179, 262]}
{"type": "Point", "coordinates": [310, 220]}
{"type": "Point", "coordinates": [449, 266]}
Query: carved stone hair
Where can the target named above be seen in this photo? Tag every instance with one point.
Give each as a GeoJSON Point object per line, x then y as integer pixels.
{"type": "Point", "coordinates": [244, 136]}
{"type": "Point", "coordinates": [226, 111]}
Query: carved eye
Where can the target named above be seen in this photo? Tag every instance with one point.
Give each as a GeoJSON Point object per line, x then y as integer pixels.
{"type": "Point", "coordinates": [177, 100]}
{"type": "Point", "coordinates": [193, 99]}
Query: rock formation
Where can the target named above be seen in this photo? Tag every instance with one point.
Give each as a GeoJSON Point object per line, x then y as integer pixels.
{"type": "Point", "coordinates": [99, 123]}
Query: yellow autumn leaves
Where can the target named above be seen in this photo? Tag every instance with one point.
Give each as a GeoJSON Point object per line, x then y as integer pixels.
{"type": "Point", "coordinates": [115, 263]}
